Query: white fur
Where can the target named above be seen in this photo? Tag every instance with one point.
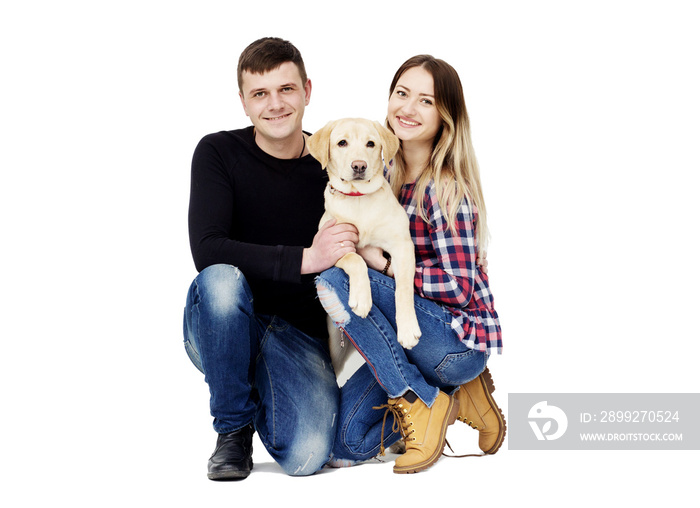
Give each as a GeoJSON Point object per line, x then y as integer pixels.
{"type": "Point", "coordinates": [379, 218]}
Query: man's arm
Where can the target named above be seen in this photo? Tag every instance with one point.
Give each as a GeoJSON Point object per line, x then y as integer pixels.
{"type": "Point", "coordinates": [211, 211]}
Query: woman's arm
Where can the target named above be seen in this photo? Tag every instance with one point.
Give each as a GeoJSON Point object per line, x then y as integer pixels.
{"type": "Point", "coordinates": [374, 257]}
{"type": "Point", "coordinates": [451, 279]}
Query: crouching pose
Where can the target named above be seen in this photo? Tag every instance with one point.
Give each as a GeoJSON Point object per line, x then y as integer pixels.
{"type": "Point", "coordinates": [252, 322]}
{"type": "Point", "coordinates": [443, 378]}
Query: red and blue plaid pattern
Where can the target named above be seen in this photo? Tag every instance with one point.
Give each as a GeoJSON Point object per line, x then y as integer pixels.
{"type": "Point", "coordinates": [446, 269]}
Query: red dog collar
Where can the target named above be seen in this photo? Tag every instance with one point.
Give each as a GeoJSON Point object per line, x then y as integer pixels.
{"type": "Point", "coordinates": [334, 190]}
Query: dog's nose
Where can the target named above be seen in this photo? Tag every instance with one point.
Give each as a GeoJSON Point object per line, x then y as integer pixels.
{"type": "Point", "coordinates": [359, 167]}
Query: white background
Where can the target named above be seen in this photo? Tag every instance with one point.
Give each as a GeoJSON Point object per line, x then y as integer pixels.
{"type": "Point", "coordinates": [585, 122]}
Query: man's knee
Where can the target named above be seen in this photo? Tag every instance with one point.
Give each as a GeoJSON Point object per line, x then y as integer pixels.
{"type": "Point", "coordinates": [301, 440]}
{"type": "Point", "coordinates": [309, 453]}
{"type": "Point", "coordinates": [223, 289]}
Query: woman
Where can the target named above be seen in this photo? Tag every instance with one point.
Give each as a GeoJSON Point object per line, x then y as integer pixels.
{"type": "Point", "coordinates": [436, 178]}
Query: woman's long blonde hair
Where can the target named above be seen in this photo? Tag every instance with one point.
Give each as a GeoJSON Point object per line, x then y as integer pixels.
{"type": "Point", "coordinates": [453, 165]}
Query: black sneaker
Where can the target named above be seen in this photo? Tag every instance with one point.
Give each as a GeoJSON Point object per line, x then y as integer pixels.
{"type": "Point", "coordinates": [233, 457]}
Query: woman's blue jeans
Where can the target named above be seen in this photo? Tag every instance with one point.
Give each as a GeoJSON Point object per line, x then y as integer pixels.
{"type": "Point", "coordinates": [260, 369]}
{"type": "Point", "coordinates": [440, 361]}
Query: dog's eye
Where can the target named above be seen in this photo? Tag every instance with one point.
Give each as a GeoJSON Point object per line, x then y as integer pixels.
{"type": "Point", "coordinates": [342, 142]}
{"type": "Point", "coordinates": [370, 144]}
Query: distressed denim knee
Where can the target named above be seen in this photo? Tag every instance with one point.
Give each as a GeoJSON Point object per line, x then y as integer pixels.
{"type": "Point", "coordinates": [308, 452]}
{"type": "Point", "coordinates": [216, 293]}
{"type": "Point", "coordinates": [222, 288]}
{"type": "Point", "coordinates": [328, 285]}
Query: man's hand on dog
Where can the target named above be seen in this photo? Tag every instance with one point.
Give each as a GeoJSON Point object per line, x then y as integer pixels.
{"type": "Point", "coordinates": [330, 244]}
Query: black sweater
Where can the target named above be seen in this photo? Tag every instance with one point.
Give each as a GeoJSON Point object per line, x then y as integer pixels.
{"type": "Point", "coordinates": [257, 212]}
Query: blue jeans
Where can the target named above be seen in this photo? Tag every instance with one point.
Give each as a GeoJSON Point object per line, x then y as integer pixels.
{"type": "Point", "coordinates": [262, 370]}
{"type": "Point", "coordinates": [440, 361]}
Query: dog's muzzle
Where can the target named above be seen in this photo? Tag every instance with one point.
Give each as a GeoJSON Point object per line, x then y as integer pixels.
{"type": "Point", "coordinates": [359, 169]}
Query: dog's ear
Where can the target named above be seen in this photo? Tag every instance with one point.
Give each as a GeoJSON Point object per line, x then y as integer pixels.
{"type": "Point", "coordinates": [320, 142]}
{"type": "Point", "coordinates": [390, 143]}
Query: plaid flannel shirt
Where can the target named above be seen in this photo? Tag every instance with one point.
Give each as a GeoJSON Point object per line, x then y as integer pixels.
{"type": "Point", "coordinates": [446, 269]}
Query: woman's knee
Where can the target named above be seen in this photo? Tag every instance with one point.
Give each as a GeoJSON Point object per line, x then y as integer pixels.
{"type": "Point", "coordinates": [333, 277]}
{"type": "Point", "coordinates": [330, 286]}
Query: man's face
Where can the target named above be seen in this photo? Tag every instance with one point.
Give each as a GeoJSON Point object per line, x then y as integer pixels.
{"type": "Point", "coordinates": [275, 103]}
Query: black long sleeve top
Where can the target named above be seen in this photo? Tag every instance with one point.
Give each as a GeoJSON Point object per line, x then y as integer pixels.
{"type": "Point", "coordinates": [257, 212]}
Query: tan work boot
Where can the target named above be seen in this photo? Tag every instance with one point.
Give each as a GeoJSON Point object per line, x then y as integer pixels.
{"type": "Point", "coordinates": [478, 410]}
{"type": "Point", "coordinates": [423, 429]}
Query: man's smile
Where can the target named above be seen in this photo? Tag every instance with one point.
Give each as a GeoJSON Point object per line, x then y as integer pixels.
{"type": "Point", "coordinates": [275, 118]}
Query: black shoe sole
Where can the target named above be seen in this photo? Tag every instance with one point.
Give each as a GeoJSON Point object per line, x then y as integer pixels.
{"type": "Point", "coordinates": [225, 476]}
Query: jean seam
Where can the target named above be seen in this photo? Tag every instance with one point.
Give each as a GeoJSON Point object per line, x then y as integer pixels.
{"type": "Point", "coordinates": [273, 403]}
{"type": "Point", "coordinates": [392, 342]}
{"type": "Point", "coordinates": [371, 365]}
{"type": "Point", "coordinates": [273, 399]}
{"type": "Point", "coordinates": [195, 315]}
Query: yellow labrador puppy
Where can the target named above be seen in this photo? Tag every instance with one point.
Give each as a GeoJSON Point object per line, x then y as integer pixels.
{"type": "Point", "coordinates": [357, 193]}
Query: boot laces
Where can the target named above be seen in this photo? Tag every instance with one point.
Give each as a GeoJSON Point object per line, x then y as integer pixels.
{"type": "Point", "coordinates": [402, 422]}
{"type": "Point", "coordinates": [470, 423]}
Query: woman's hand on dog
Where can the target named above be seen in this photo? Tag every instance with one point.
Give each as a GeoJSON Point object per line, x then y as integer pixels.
{"type": "Point", "coordinates": [374, 257]}
{"type": "Point", "coordinates": [330, 244]}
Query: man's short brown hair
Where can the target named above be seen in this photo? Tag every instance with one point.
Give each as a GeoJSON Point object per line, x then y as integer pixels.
{"type": "Point", "coordinates": [267, 54]}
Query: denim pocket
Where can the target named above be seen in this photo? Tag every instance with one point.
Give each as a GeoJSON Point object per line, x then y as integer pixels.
{"type": "Point", "coordinates": [458, 368]}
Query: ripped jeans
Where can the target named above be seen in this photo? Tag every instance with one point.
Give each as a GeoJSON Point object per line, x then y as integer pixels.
{"type": "Point", "coordinates": [261, 370]}
{"type": "Point", "coordinates": [440, 361]}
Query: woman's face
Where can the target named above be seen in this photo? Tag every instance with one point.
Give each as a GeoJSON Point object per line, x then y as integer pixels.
{"type": "Point", "coordinates": [412, 112]}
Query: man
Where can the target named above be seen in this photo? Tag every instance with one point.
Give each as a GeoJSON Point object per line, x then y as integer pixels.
{"type": "Point", "coordinates": [252, 323]}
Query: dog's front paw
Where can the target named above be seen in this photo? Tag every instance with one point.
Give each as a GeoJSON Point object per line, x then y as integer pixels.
{"type": "Point", "coordinates": [408, 335]}
{"type": "Point", "coordinates": [408, 341]}
{"type": "Point", "coordinates": [360, 298]}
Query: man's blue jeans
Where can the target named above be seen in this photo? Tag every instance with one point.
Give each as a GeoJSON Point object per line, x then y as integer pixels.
{"type": "Point", "coordinates": [260, 369]}
{"type": "Point", "coordinates": [440, 361]}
